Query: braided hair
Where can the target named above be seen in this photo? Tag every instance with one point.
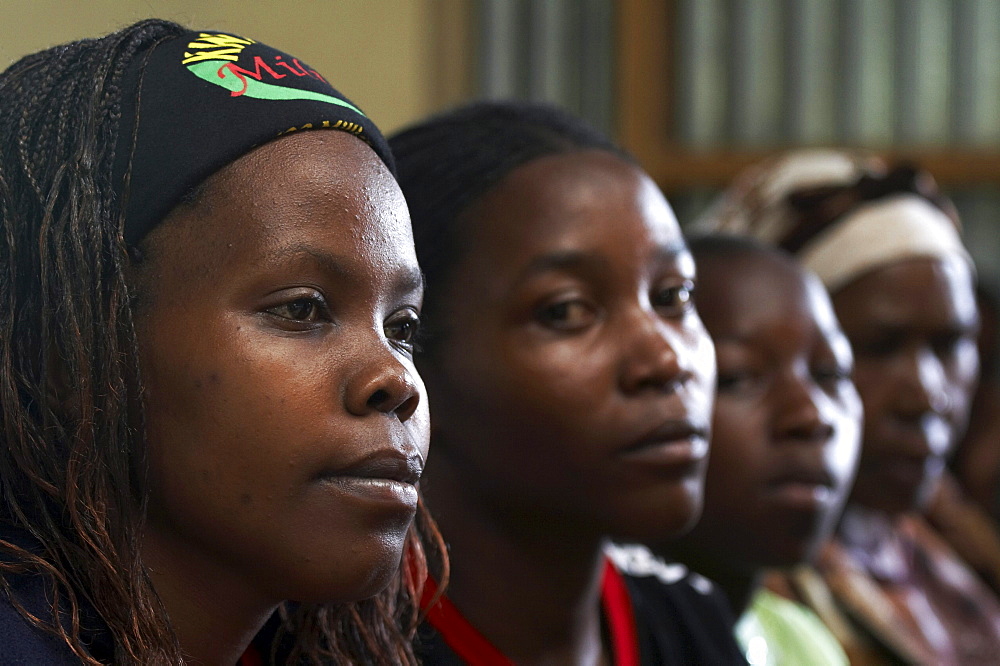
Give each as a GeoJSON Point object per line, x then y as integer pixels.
{"type": "Point", "coordinates": [72, 451]}
{"type": "Point", "coordinates": [448, 162]}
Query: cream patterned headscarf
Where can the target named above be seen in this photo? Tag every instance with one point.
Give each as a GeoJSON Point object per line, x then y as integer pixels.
{"type": "Point", "coordinates": [842, 214]}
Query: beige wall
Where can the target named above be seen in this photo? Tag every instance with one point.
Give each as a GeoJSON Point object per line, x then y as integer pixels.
{"type": "Point", "coordinates": [397, 59]}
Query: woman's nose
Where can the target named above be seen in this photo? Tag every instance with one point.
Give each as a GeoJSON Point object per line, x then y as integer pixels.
{"type": "Point", "coordinates": [923, 386]}
{"type": "Point", "coordinates": [384, 384]}
{"type": "Point", "coordinates": [653, 357]}
{"type": "Point", "coordinates": [800, 416]}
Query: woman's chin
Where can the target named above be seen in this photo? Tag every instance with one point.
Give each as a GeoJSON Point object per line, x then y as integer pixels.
{"type": "Point", "coordinates": [365, 578]}
{"type": "Point", "coordinates": [675, 517]}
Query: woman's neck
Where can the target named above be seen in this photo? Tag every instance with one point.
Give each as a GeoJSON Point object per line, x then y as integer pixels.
{"type": "Point", "coordinates": [529, 585]}
{"type": "Point", "coordinates": [739, 582]}
{"type": "Point", "coordinates": [739, 586]}
{"type": "Point", "coordinates": [214, 617]}
{"type": "Point", "coordinates": [865, 528]}
{"type": "Point", "coordinates": [874, 541]}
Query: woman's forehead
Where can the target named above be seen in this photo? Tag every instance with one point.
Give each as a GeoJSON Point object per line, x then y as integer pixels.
{"type": "Point", "coordinates": [571, 202]}
{"type": "Point", "coordinates": [916, 294]}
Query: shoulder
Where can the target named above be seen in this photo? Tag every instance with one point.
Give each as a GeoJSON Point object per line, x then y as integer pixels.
{"type": "Point", "coordinates": [432, 650]}
{"type": "Point", "coordinates": [21, 642]}
{"type": "Point", "coordinates": [658, 585]}
{"type": "Point", "coordinates": [681, 617]}
{"type": "Point", "coordinates": [778, 630]}
{"type": "Point", "coordinates": [852, 602]}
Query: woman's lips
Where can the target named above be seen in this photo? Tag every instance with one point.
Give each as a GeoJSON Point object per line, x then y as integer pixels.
{"type": "Point", "coordinates": [903, 472]}
{"type": "Point", "coordinates": [804, 496]}
{"type": "Point", "coordinates": [923, 438]}
{"type": "Point", "coordinates": [803, 489]}
{"type": "Point", "coordinates": [387, 476]}
{"type": "Point", "coordinates": [389, 464]}
{"type": "Point", "coordinates": [670, 444]}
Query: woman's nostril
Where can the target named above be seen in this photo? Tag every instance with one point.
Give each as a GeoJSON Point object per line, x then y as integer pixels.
{"type": "Point", "coordinates": [402, 405]}
{"type": "Point", "coordinates": [407, 409]}
{"type": "Point", "coordinates": [378, 398]}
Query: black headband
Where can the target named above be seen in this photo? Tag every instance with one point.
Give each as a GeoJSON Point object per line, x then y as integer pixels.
{"type": "Point", "coordinates": [201, 100]}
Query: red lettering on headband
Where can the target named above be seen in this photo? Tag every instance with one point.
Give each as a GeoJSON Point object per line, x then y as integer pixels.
{"type": "Point", "coordinates": [291, 69]}
{"type": "Point", "coordinates": [256, 73]}
{"type": "Point", "coordinates": [235, 70]}
{"type": "Point", "coordinates": [311, 72]}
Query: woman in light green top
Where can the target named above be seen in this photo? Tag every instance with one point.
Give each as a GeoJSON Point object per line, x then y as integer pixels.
{"type": "Point", "coordinates": [785, 440]}
{"type": "Point", "coordinates": [775, 631]}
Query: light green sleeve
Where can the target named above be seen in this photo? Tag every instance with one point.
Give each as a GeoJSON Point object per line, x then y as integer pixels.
{"type": "Point", "coordinates": [777, 632]}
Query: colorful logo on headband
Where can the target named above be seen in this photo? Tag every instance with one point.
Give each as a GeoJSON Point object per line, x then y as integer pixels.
{"type": "Point", "coordinates": [216, 58]}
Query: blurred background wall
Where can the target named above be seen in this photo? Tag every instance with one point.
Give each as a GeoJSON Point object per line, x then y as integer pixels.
{"type": "Point", "coordinates": [698, 89]}
{"type": "Point", "coordinates": [709, 86]}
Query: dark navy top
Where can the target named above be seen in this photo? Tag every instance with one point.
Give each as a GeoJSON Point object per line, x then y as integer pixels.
{"type": "Point", "coordinates": [21, 642]}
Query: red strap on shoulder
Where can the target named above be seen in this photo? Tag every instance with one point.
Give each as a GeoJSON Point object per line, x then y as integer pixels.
{"type": "Point", "coordinates": [251, 657]}
{"type": "Point", "coordinates": [456, 631]}
{"type": "Point", "coordinates": [472, 647]}
{"type": "Point", "coordinates": [620, 617]}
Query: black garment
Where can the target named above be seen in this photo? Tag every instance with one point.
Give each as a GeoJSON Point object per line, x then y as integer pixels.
{"type": "Point", "coordinates": [679, 624]}
{"type": "Point", "coordinates": [24, 644]}
{"type": "Point", "coordinates": [680, 619]}
{"type": "Point", "coordinates": [21, 642]}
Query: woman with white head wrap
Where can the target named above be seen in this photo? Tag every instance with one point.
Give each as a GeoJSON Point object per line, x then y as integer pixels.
{"type": "Point", "coordinates": [887, 246]}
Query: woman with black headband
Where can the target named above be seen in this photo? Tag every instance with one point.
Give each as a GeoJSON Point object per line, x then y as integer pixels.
{"type": "Point", "coordinates": [887, 247]}
{"type": "Point", "coordinates": [211, 425]}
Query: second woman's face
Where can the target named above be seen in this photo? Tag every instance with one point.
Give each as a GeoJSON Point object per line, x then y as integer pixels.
{"type": "Point", "coordinates": [787, 419]}
{"type": "Point", "coordinates": [572, 384]}
{"type": "Point", "coordinates": [285, 420]}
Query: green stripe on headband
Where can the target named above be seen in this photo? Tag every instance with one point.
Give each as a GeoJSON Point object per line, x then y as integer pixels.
{"type": "Point", "coordinates": [221, 73]}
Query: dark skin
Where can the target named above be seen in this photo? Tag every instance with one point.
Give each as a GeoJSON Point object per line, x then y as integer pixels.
{"type": "Point", "coordinates": [977, 457]}
{"type": "Point", "coordinates": [913, 329]}
{"type": "Point", "coordinates": [285, 419]}
{"type": "Point", "coordinates": [572, 391]}
{"type": "Point", "coordinates": [787, 420]}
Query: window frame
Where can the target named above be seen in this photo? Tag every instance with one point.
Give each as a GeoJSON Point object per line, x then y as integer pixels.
{"type": "Point", "coordinates": [645, 127]}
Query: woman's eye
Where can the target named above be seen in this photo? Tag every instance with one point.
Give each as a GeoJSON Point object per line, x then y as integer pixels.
{"type": "Point", "coordinates": [830, 376]}
{"type": "Point", "coordinates": [305, 310]}
{"type": "Point", "coordinates": [675, 299]}
{"type": "Point", "coordinates": [403, 327]}
{"type": "Point", "coordinates": [946, 344]}
{"type": "Point", "coordinates": [880, 347]}
{"type": "Point", "coordinates": [568, 315]}
{"type": "Point", "coordinates": [737, 382]}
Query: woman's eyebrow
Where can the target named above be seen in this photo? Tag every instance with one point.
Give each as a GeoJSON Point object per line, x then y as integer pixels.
{"type": "Point", "coordinates": [565, 261]}
{"type": "Point", "coordinates": [585, 260]}
{"type": "Point", "coordinates": [338, 266]}
{"type": "Point", "coordinates": [672, 250]}
{"type": "Point", "coordinates": [407, 280]}
{"type": "Point", "coordinates": [410, 280]}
